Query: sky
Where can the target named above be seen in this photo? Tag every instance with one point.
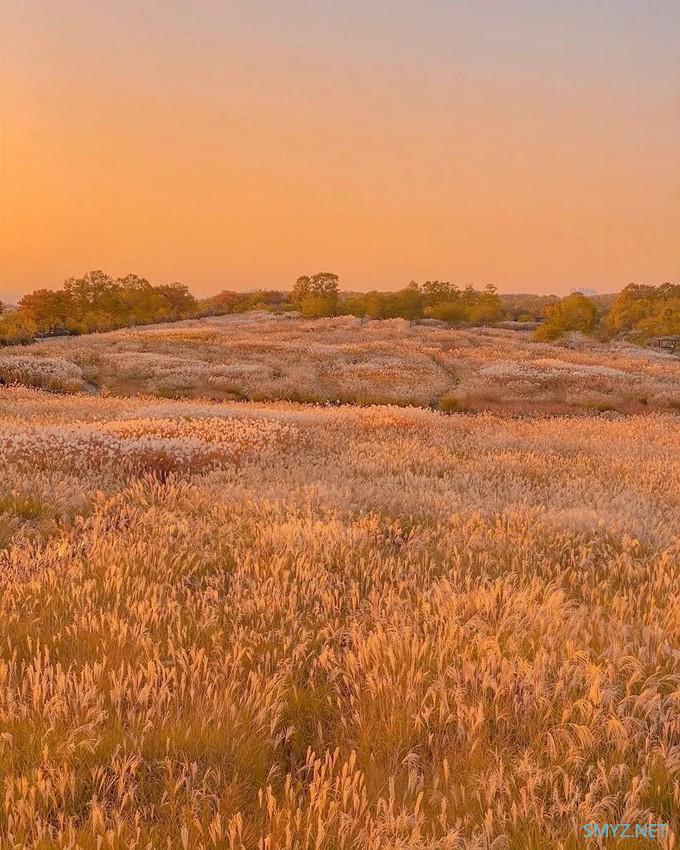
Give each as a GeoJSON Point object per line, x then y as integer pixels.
{"type": "Point", "coordinates": [533, 144]}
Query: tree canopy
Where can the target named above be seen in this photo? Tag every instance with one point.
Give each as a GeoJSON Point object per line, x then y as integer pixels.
{"type": "Point", "coordinates": [576, 312]}
{"type": "Point", "coordinates": [98, 302]}
{"type": "Point", "coordinates": [646, 311]}
{"type": "Point", "coordinates": [317, 295]}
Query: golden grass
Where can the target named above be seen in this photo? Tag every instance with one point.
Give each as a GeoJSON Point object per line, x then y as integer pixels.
{"type": "Point", "coordinates": [262, 357]}
{"type": "Point", "coordinates": [274, 626]}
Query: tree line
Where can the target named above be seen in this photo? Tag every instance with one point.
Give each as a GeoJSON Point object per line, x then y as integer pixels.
{"type": "Point", "coordinates": [318, 296]}
{"type": "Point", "coordinates": [98, 302]}
{"type": "Point", "coordinates": [638, 312]}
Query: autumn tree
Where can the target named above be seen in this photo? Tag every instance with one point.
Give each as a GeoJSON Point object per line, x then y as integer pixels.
{"type": "Point", "coordinates": [452, 312]}
{"type": "Point", "coordinates": [98, 302]}
{"type": "Point", "coordinates": [50, 310]}
{"type": "Point", "coordinates": [407, 303]}
{"type": "Point", "coordinates": [439, 292]}
{"type": "Point", "coordinates": [485, 308]}
{"type": "Point", "coordinates": [16, 327]}
{"type": "Point", "coordinates": [645, 310]}
{"type": "Point", "coordinates": [317, 295]}
{"type": "Point", "coordinates": [576, 312]}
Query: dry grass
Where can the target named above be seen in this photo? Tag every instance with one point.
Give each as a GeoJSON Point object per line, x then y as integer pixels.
{"type": "Point", "coordinates": [263, 357]}
{"type": "Point", "coordinates": [276, 626]}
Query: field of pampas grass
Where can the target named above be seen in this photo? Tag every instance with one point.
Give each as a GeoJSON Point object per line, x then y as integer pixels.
{"type": "Point", "coordinates": [262, 357]}
{"type": "Point", "coordinates": [275, 626]}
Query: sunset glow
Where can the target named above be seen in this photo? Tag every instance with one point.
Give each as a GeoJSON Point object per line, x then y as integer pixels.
{"type": "Point", "coordinates": [239, 144]}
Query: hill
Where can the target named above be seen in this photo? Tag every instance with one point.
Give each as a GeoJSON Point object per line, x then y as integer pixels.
{"type": "Point", "coordinates": [263, 357]}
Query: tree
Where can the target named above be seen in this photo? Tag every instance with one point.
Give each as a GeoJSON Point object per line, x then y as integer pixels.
{"type": "Point", "coordinates": [95, 321]}
{"type": "Point", "coordinates": [485, 308]}
{"type": "Point", "coordinates": [139, 302]}
{"type": "Point", "coordinates": [665, 322]}
{"type": "Point", "coordinates": [406, 304]}
{"type": "Point", "coordinates": [321, 285]}
{"type": "Point", "coordinates": [576, 312]}
{"type": "Point", "coordinates": [634, 303]}
{"type": "Point", "coordinates": [452, 312]}
{"type": "Point", "coordinates": [222, 303]}
{"type": "Point", "coordinates": [320, 291]}
{"type": "Point", "coordinates": [374, 305]}
{"type": "Point", "coordinates": [644, 310]}
{"type": "Point", "coordinates": [368, 304]}
{"type": "Point", "coordinates": [439, 291]}
{"type": "Point", "coordinates": [525, 307]}
{"type": "Point", "coordinates": [49, 310]}
{"type": "Point", "coordinates": [16, 327]}
{"type": "Point", "coordinates": [181, 304]}
{"type": "Point", "coordinates": [97, 302]}
{"type": "Point", "coordinates": [94, 291]}
{"type": "Point", "coordinates": [315, 307]}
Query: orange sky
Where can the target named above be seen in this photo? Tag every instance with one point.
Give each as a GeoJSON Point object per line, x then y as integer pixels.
{"type": "Point", "coordinates": [240, 144]}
